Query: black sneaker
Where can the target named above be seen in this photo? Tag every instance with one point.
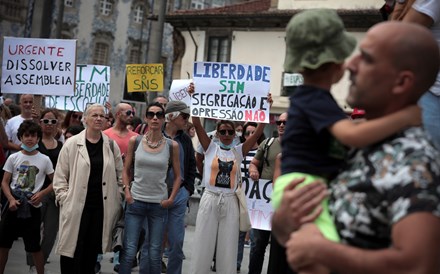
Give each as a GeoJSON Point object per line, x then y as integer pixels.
{"type": "Point", "coordinates": [135, 263]}
{"type": "Point", "coordinates": [213, 268]}
{"type": "Point", "coordinates": [97, 268]}
{"type": "Point", "coordinates": [164, 267]}
{"type": "Point", "coordinates": [116, 268]}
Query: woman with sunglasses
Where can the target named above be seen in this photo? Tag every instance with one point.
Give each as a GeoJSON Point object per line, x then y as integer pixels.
{"type": "Point", "coordinates": [146, 192]}
{"type": "Point", "coordinates": [72, 118]}
{"type": "Point", "coordinates": [86, 184]}
{"type": "Point", "coordinates": [217, 225]}
{"type": "Point", "coordinates": [51, 147]}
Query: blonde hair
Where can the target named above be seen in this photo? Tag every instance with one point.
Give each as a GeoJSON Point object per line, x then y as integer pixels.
{"type": "Point", "coordinates": [87, 112]}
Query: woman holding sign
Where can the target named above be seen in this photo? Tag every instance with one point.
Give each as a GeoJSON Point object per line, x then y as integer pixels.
{"type": "Point", "coordinates": [217, 217]}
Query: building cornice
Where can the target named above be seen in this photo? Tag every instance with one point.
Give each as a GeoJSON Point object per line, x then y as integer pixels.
{"type": "Point", "coordinates": [353, 19]}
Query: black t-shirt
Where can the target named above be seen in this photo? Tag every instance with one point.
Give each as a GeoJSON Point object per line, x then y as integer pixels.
{"type": "Point", "coordinates": [53, 156]}
{"type": "Point", "coordinates": [307, 145]}
{"type": "Point", "coordinates": [94, 191]}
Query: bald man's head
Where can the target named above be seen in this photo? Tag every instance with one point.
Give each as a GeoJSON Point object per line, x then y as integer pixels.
{"type": "Point", "coordinates": [412, 47]}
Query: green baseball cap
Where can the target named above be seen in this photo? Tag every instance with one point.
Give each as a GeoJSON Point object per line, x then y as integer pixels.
{"type": "Point", "coordinates": [315, 37]}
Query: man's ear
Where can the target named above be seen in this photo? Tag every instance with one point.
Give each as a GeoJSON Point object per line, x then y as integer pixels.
{"type": "Point", "coordinates": [404, 82]}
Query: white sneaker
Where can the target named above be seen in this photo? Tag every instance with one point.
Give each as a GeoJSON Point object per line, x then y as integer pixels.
{"type": "Point", "coordinates": [32, 270]}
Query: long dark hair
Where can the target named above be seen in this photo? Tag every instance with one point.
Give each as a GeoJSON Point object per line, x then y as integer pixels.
{"type": "Point", "coordinates": [246, 125]}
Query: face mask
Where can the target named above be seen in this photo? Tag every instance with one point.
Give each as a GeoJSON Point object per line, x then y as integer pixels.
{"type": "Point", "coordinates": [225, 146]}
{"type": "Point", "coordinates": [29, 149]}
{"type": "Point", "coordinates": [238, 133]}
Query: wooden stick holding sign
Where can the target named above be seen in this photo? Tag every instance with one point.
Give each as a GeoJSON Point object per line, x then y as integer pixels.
{"type": "Point", "coordinates": [36, 108]}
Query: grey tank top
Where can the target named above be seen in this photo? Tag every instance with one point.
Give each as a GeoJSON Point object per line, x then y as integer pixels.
{"type": "Point", "coordinates": [150, 172]}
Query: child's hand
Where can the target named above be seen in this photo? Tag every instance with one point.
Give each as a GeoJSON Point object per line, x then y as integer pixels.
{"type": "Point", "coordinates": [36, 199]}
{"type": "Point", "coordinates": [13, 204]}
{"type": "Point", "coordinates": [413, 114]}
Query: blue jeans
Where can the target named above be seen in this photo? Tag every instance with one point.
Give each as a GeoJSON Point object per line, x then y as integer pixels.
{"type": "Point", "coordinates": [241, 238]}
{"type": "Point", "coordinates": [430, 104]}
{"type": "Point", "coordinates": [176, 231]}
{"type": "Point", "coordinates": [153, 215]}
{"type": "Point", "coordinates": [256, 260]}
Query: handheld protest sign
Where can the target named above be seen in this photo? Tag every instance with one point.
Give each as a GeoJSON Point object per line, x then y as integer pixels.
{"type": "Point", "coordinates": [259, 205]}
{"type": "Point", "coordinates": [231, 92]}
{"type": "Point", "coordinates": [38, 66]}
{"type": "Point", "coordinates": [144, 77]}
{"type": "Point", "coordinates": [92, 86]}
{"type": "Point", "coordinates": [178, 91]}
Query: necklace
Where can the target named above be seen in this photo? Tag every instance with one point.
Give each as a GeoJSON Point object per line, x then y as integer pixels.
{"type": "Point", "coordinates": [151, 144]}
{"type": "Point", "coordinates": [52, 143]}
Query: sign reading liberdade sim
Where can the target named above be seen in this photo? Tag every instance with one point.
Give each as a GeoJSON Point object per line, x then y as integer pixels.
{"type": "Point", "coordinates": [231, 91]}
{"type": "Point", "coordinates": [92, 87]}
{"type": "Point", "coordinates": [38, 66]}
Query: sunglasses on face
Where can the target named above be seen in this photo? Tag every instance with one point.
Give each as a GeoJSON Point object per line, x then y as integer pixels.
{"type": "Point", "coordinates": [129, 113]}
{"type": "Point", "coordinates": [184, 115]}
{"type": "Point", "coordinates": [77, 116]}
{"type": "Point", "coordinates": [279, 122]}
{"type": "Point", "coordinates": [49, 121]}
{"type": "Point", "coordinates": [159, 114]}
{"type": "Point", "coordinates": [223, 132]}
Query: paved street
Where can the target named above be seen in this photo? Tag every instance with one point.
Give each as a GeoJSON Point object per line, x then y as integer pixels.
{"type": "Point", "coordinates": [17, 259]}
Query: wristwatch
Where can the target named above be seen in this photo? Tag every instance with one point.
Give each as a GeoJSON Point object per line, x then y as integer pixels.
{"type": "Point", "coordinates": [124, 187]}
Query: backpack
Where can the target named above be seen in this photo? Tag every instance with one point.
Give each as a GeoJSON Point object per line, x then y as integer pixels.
{"type": "Point", "coordinates": [141, 129]}
{"type": "Point", "coordinates": [265, 155]}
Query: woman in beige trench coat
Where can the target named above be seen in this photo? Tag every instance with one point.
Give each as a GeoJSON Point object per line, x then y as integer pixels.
{"type": "Point", "coordinates": [86, 185]}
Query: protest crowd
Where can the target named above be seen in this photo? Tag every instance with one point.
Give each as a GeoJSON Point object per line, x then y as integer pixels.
{"type": "Point", "coordinates": [345, 192]}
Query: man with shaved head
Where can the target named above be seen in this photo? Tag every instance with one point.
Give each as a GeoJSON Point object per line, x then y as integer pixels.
{"type": "Point", "coordinates": [124, 114]}
{"type": "Point", "coordinates": [386, 201]}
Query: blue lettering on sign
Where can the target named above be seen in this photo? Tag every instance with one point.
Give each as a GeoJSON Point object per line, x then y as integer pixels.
{"type": "Point", "coordinates": [236, 72]}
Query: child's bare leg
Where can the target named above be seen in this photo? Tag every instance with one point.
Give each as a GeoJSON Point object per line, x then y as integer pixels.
{"type": "Point", "coordinates": [38, 261]}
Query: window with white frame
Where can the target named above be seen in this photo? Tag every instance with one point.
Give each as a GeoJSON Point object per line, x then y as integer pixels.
{"type": "Point", "coordinates": [218, 49]}
{"type": "Point", "coordinates": [105, 7]}
{"type": "Point", "coordinates": [68, 3]}
{"type": "Point", "coordinates": [197, 4]}
{"type": "Point", "coordinates": [100, 54]}
{"type": "Point", "coordinates": [138, 14]}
